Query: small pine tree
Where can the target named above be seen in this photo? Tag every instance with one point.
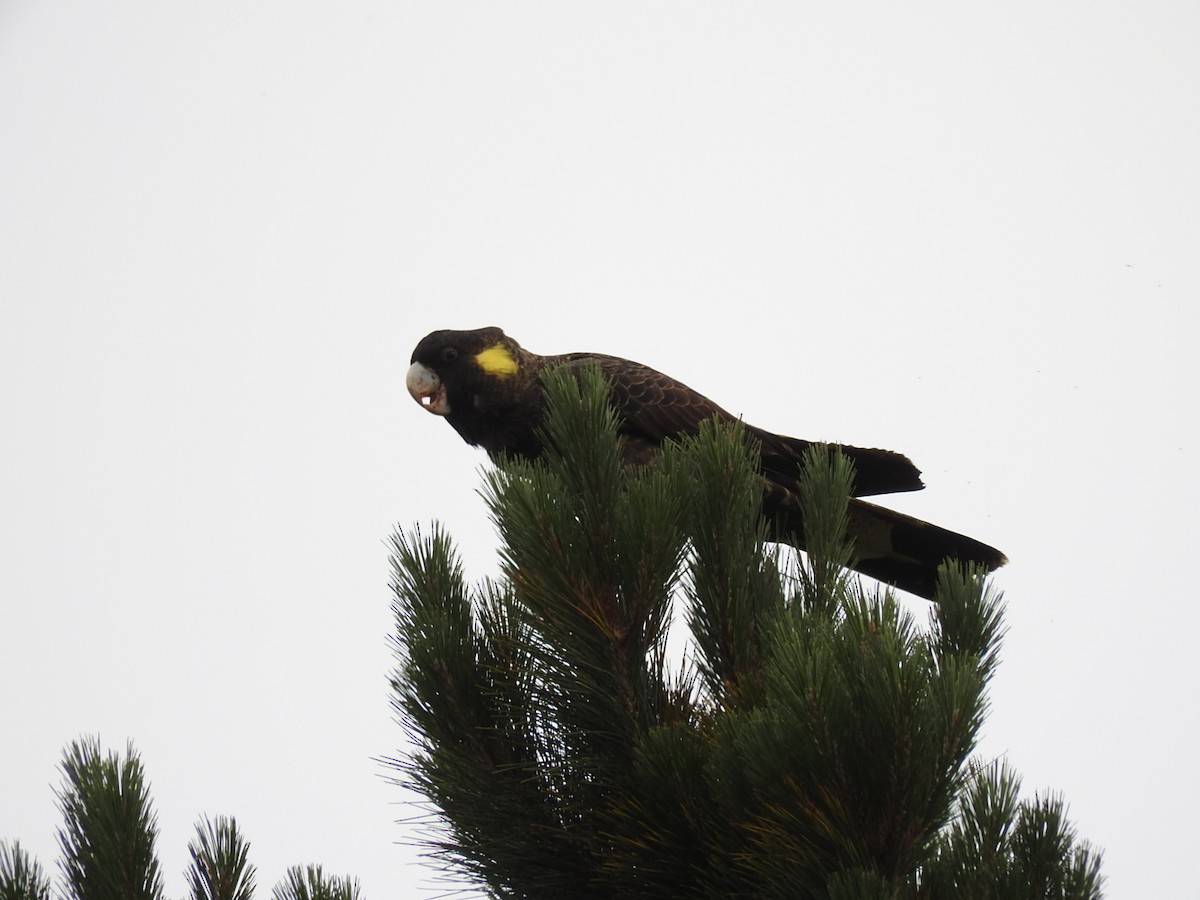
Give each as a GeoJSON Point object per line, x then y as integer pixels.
{"type": "Point", "coordinates": [814, 743]}
{"type": "Point", "coordinates": [108, 842]}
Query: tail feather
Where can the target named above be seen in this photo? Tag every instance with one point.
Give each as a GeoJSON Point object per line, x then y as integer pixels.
{"type": "Point", "coordinates": [875, 471]}
{"type": "Point", "coordinates": [906, 552]}
{"type": "Point", "coordinates": [890, 546]}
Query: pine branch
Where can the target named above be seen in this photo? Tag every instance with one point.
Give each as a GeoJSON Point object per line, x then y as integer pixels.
{"type": "Point", "coordinates": [825, 482]}
{"type": "Point", "coordinates": [109, 829]}
{"type": "Point", "coordinates": [1000, 848]}
{"type": "Point", "coordinates": [220, 867]}
{"type": "Point", "coordinates": [21, 876]}
{"type": "Point", "coordinates": [311, 883]}
{"type": "Point", "coordinates": [733, 587]}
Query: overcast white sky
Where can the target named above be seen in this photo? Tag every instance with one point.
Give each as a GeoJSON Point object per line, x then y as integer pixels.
{"type": "Point", "coordinates": [968, 233]}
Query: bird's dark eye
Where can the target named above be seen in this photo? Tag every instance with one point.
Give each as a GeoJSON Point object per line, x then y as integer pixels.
{"type": "Point", "coordinates": [449, 355]}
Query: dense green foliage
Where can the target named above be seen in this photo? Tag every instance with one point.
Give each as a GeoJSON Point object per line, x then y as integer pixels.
{"type": "Point", "coordinates": [814, 742]}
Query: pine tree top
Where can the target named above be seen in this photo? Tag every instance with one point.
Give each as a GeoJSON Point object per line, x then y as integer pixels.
{"type": "Point", "coordinates": [814, 740]}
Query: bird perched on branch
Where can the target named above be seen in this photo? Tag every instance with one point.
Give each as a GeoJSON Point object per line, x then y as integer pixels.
{"type": "Point", "coordinates": [489, 389]}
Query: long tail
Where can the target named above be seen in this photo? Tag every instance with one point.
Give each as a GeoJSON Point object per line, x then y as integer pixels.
{"type": "Point", "coordinates": [906, 552]}
{"type": "Point", "coordinates": [893, 547]}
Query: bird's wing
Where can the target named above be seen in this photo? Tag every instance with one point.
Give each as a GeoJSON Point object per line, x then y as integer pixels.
{"type": "Point", "coordinates": [655, 407]}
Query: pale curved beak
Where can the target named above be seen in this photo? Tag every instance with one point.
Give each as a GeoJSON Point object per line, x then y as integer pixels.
{"type": "Point", "coordinates": [427, 389]}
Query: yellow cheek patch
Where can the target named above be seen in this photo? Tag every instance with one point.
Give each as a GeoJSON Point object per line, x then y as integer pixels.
{"type": "Point", "coordinates": [496, 360]}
